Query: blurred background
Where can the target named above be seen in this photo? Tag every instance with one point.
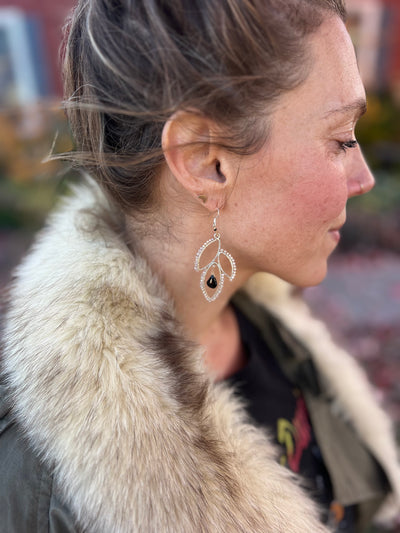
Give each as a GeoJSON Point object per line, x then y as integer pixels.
{"type": "Point", "coordinates": [360, 299]}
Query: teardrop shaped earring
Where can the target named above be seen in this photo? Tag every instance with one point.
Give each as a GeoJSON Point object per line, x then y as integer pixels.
{"type": "Point", "coordinates": [213, 274]}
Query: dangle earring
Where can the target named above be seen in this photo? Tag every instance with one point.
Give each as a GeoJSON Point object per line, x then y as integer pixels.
{"type": "Point", "coordinates": [208, 262]}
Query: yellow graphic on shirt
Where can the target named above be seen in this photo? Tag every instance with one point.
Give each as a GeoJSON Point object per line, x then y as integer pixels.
{"type": "Point", "coordinates": [286, 432]}
{"type": "Point", "coordinates": [294, 437]}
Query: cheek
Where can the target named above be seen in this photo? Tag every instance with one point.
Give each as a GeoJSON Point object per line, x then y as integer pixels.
{"type": "Point", "coordinates": [321, 198]}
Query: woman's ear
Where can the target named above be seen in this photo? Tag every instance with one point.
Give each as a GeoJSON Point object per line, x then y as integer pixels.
{"type": "Point", "coordinates": [193, 158]}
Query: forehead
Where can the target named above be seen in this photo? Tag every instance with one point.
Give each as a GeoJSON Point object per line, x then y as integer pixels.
{"type": "Point", "coordinates": [333, 87]}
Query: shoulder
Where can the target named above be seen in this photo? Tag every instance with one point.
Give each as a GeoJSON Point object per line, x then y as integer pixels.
{"type": "Point", "coordinates": [29, 501]}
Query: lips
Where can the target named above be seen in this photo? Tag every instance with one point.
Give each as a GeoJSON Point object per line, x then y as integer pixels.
{"type": "Point", "coordinates": [335, 232]}
{"type": "Point", "coordinates": [339, 226]}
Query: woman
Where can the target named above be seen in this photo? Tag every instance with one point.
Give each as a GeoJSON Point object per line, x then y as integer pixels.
{"type": "Point", "coordinates": [149, 367]}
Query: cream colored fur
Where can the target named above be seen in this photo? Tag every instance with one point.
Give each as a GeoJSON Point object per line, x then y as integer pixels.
{"type": "Point", "coordinates": [116, 399]}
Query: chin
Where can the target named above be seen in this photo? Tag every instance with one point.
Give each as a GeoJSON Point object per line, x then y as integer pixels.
{"type": "Point", "coordinates": [308, 277]}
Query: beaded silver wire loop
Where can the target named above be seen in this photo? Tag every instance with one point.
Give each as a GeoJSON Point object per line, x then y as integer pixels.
{"type": "Point", "coordinates": [213, 273]}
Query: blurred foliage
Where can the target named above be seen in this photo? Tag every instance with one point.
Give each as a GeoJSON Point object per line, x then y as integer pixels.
{"type": "Point", "coordinates": [27, 183]}
{"type": "Point", "coordinates": [374, 218]}
{"type": "Point", "coordinates": [384, 197]}
{"type": "Point", "coordinates": [378, 133]}
{"type": "Point", "coordinates": [381, 123]}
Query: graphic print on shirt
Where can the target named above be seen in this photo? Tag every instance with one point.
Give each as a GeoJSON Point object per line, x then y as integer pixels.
{"type": "Point", "coordinates": [294, 436]}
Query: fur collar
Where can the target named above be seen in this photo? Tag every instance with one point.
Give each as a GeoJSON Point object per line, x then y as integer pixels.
{"type": "Point", "coordinates": [116, 400]}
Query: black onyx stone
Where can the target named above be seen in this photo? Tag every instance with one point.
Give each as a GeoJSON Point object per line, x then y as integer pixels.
{"type": "Point", "coordinates": [212, 282]}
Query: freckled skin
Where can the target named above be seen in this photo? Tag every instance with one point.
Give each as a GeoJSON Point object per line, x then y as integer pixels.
{"type": "Point", "coordinates": [291, 195]}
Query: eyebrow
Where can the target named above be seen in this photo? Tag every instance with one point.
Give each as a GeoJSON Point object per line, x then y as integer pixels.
{"type": "Point", "coordinates": [359, 106]}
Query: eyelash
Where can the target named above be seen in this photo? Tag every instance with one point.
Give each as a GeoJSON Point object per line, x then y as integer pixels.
{"type": "Point", "coordinates": [348, 145]}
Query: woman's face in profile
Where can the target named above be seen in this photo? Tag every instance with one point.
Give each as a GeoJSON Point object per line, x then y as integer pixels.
{"type": "Point", "coordinates": [289, 201]}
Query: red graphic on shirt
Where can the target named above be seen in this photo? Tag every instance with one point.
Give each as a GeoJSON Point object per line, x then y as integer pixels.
{"type": "Point", "coordinates": [295, 436]}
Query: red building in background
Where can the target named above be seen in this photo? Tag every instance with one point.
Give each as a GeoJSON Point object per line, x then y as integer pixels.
{"type": "Point", "coordinates": [374, 26]}
{"type": "Point", "coordinates": [43, 21]}
{"type": "Point", "coordinates": [391, 38]}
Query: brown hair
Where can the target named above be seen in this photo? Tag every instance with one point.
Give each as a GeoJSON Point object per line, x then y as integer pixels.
{"type": "Point", "coordinates": [130, 64]}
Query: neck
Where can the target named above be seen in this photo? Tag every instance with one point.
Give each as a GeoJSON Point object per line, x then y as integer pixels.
{"type": "Point", "coordinates": [171, 256]}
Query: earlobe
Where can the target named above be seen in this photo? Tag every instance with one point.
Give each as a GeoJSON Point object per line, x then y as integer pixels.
{"type": "Point", "coordinates": [192, 157]}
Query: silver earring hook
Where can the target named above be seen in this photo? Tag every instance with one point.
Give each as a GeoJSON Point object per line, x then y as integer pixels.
{"type": "Point", "coordinates": [216, 234]}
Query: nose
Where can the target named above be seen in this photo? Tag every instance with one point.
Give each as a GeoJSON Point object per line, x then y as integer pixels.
{"type": "Point", "coordinates": [360, 179]}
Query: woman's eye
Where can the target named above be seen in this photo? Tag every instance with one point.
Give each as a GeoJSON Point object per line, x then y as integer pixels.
{"type": "Point", "coordinates": [348, 144]}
